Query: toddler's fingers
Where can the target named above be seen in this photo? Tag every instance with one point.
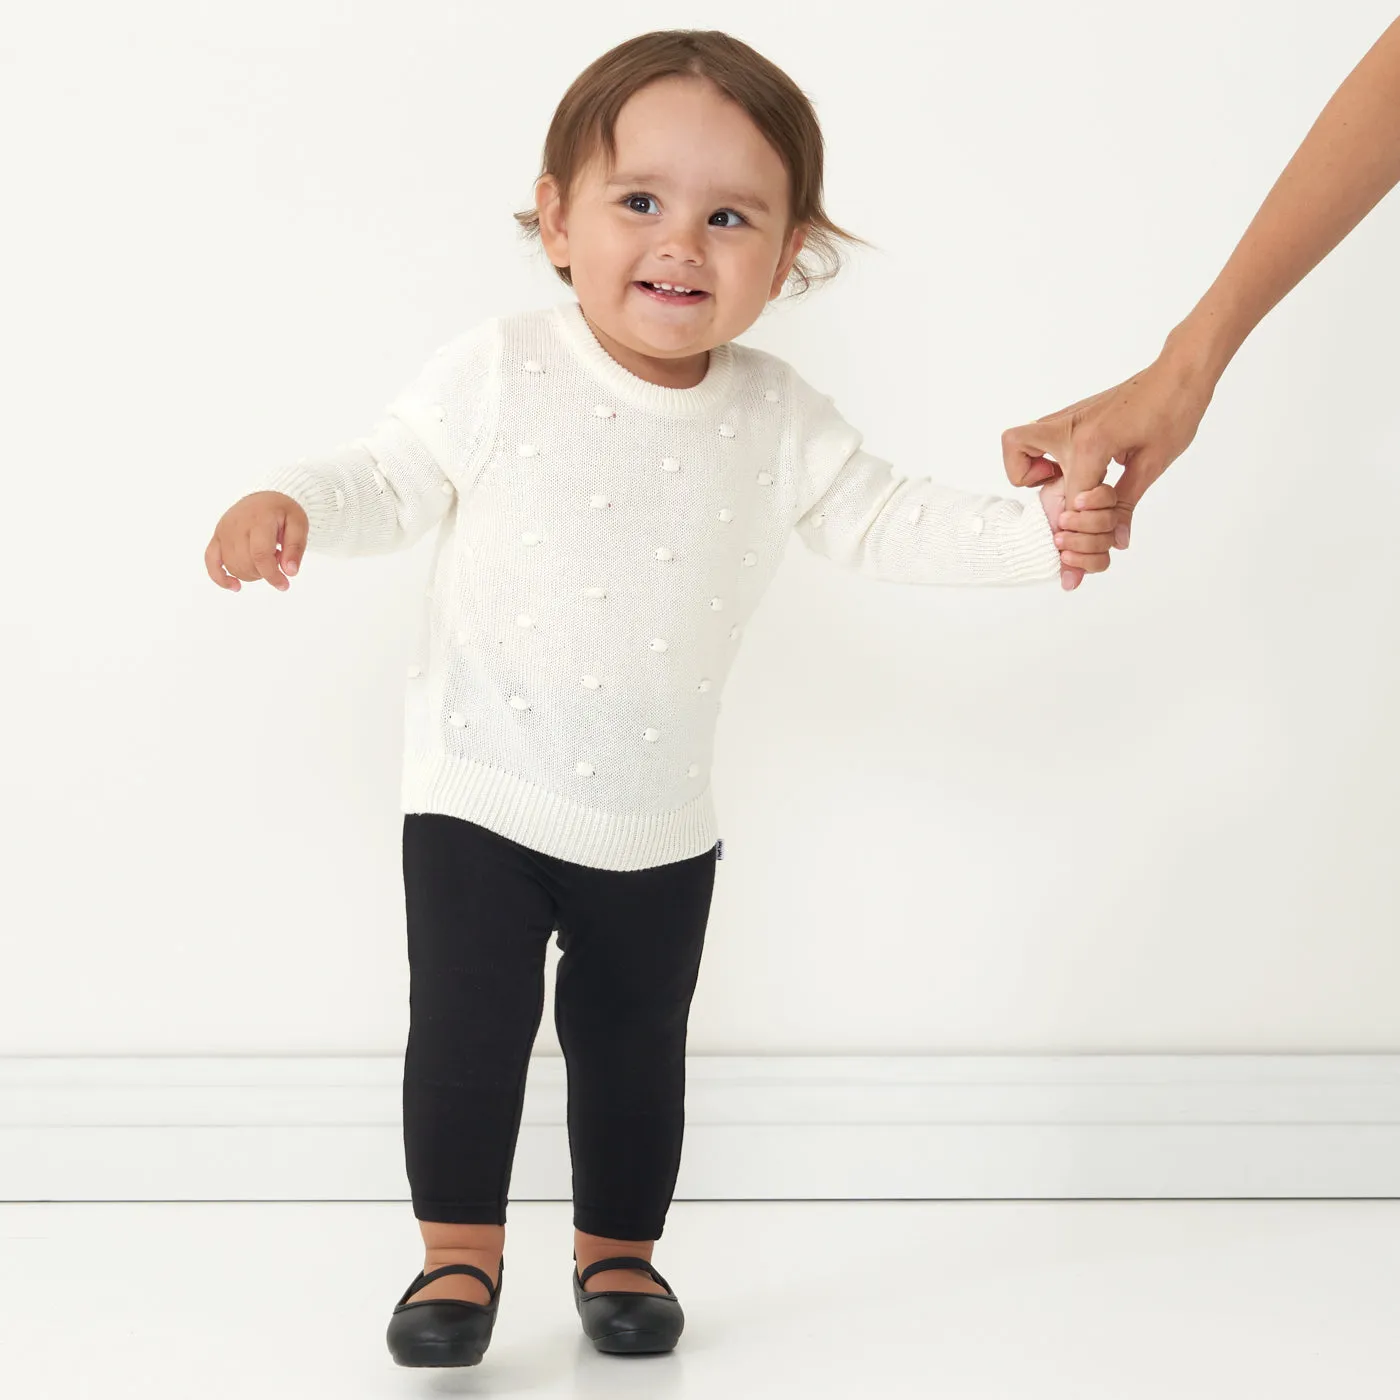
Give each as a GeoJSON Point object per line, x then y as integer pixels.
{"type": "Point", "coordinates": [1090, 563]}
{"type": "Point", "coordinates": [1083, 544]}
{"type": "Point", "coordinates": [293, 541]}
{"type": "Point", "coordinates": [1089, 522]}
{"type": "Point", "coordinates": [1102, 497]}
{"type": "Point", "coordinates": [262, 549]}
{"type": "Point", "coordinates": [214, 564]}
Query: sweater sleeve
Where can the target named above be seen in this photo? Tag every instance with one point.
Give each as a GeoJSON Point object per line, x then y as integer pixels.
{"type": "Point", "coordinates": [857, 511]}
{"type": "Point", "coordinates": [384, 491]}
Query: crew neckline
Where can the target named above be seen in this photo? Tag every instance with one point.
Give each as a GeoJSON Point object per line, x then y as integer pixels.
{"type": "Point", "coordinates": [706, 396]}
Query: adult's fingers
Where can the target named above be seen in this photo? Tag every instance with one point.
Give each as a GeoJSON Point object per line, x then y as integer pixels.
{"type": "Point", "coordinates": [1041, 472]}
{"type": "Point", "coordinates": [1023, 452]}
{"type": "Point", "coordinates": [1137, 476]}
{"type": "Point", "coordinates": [1123, 530]}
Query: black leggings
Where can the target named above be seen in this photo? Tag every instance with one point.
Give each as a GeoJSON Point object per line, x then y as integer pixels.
{"type": "Point", "coordinates": [480, 912]}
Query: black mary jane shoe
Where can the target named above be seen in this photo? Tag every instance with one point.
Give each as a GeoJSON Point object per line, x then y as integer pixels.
{"type": "Point", "coordinates": [626, 1323]}
{"type": "Point", "coordinates": [444, 1331]}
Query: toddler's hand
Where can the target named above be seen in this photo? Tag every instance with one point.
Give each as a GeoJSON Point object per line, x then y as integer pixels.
{"type": "Point", "coordinates": [246, 539]}
{"type": "Point", "coordinates": [1083, 535]}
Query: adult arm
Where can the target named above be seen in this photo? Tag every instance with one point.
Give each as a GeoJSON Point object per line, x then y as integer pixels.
{"type": "Point", "coordinates": [1348, 161]}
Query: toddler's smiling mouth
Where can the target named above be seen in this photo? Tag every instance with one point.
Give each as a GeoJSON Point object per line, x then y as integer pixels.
{"type": "Point", "coordinates": [656, 293]}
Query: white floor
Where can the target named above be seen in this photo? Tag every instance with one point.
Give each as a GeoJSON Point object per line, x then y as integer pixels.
{"type": "Point", "coordinates": [1125, 1299]}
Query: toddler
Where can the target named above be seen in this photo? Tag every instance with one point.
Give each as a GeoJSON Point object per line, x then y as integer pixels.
{"type": "Point", "coordinates": [613, 479]}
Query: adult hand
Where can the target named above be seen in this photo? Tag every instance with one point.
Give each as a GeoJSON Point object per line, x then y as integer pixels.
{"type": "Point", "coordinates": [1144, 424]}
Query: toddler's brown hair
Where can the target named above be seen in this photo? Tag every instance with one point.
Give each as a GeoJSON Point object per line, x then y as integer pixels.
{"type": "Point", "coordinates": [586, 117]}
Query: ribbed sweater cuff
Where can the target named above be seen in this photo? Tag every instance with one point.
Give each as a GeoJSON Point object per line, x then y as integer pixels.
{"type": "Point", "coordinates": [1029, 551]}
{"type": "Point", "coordinates": [325, 517]}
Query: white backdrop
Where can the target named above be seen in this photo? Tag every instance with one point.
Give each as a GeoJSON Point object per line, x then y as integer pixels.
{"type": "Point", "coordinates": [1153, 815]}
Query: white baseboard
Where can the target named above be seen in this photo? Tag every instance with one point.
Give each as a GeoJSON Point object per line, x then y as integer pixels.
{"type": "Point", "coordinates": [927, 1127]}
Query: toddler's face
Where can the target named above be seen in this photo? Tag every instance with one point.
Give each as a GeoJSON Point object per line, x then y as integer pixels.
{"type": "Point", "coordinates": [697, 198]}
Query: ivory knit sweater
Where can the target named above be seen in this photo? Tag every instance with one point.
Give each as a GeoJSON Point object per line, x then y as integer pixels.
{"type": "Point", "coordinates": [602, 541]}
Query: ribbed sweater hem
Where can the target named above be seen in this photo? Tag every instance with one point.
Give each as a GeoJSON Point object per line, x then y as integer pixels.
{"type": "Point", "coordinates": [544, 821]}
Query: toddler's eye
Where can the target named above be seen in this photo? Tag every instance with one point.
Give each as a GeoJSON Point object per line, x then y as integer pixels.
{"type": "Point", "coordinates": [630, 200]}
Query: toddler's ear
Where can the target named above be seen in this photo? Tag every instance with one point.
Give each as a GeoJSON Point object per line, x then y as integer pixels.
{"type": "Point", "coordinates": [554, 236]}
{"type": "Point", "coordinates": [794, 246]}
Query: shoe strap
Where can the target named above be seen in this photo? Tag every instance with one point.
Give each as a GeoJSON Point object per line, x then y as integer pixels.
{"type": "Point", "coordinates": [622, 1261]}
{"type": "Point", "coordinates": [423, 1280]}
